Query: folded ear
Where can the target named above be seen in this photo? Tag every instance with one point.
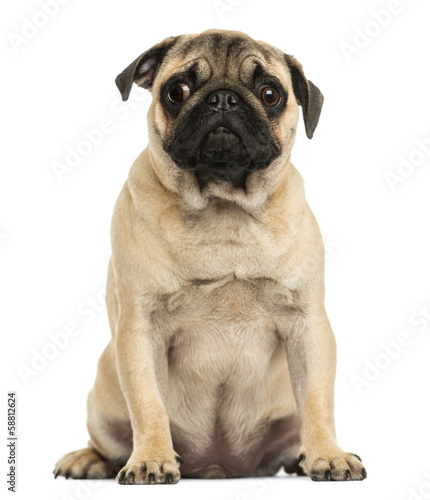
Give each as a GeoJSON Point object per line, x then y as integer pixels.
{"type": "Point", "coordinates": [144, 69]}
{"type": "Point", "coordinates": [307, 94]}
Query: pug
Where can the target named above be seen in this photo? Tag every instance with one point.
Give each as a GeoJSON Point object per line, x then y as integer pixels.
{"type": "Point", "coordinates": [222, 360]}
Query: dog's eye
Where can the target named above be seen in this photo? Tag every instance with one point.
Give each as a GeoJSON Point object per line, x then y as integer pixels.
{"type": "Point", "coordinates": [269, 95]}
{"type": "Point", "coordinates": [179, 92]}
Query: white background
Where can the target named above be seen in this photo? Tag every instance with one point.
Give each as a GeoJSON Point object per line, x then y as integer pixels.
{"type": "Point", "coordinates": [54, 236]}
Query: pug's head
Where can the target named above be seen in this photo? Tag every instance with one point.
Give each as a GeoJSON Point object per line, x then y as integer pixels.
{"type": "Point", "coordinates": [225, 108]}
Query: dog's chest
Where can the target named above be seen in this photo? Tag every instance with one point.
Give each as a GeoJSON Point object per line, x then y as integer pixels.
{"type": "Point", "coordinates": [223, 240]}
{"type": "Point", "coordinates": [225, 312]}
{"type": "Point", "coordinates": [212, 321]}
{"type": "Point", "coordinates": [229, 301]}
{"type": "Point", "coordinates": [225, 331]}
{"type": "Point", "coordinates": [228, 375]}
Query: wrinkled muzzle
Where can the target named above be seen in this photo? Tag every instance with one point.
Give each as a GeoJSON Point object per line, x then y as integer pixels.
{"type": "Point", "coordinates": [223, 137]}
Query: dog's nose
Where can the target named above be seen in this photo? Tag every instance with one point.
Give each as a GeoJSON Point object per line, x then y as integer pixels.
{"type": "Point", "coordinates": [223, 100]}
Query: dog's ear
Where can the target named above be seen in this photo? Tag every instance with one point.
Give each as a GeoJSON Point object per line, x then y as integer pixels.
{"type": "Point", "coordinates": [307, 94]}
{"type": "Point", "coordinates": [144, 69]}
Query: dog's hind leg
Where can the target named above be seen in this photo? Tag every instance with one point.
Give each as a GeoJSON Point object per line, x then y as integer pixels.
{"type": "Point", "coordinates": [85, 464]}
{"type": "Point", "coordinates": [109, 427]}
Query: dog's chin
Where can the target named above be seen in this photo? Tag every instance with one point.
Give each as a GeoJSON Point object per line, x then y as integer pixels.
{"type": "Point", "coordinates": [222, 156]}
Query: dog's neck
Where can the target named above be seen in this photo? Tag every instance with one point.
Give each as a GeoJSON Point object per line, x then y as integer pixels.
{"type": "Point", "coordinates": [280, 184]}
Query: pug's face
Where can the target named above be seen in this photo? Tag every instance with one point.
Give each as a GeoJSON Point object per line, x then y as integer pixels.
{"type": "Point", "coordinates": [224, 106]}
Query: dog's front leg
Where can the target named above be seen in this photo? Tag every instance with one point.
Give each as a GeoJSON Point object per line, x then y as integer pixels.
{"type": "Point", "coordinates": [311, 352]}
{"type": "Point", "coordinates": [142, 369]}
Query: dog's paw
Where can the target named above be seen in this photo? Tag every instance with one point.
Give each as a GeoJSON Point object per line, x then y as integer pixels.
{"type": "Point", "coordinates": [150, 472]}
{"type": "Point", "coordinates": [333, 466]}
{"type": "Point", "coordinates": [84, 464]}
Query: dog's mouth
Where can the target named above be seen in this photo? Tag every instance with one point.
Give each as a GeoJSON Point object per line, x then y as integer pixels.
{"type": "Point", "coordinates": [222, 155]}
{"type": "Point", "coordinates": [222, 145]}
{"type": "Point", "coordinates": [224, 151]}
